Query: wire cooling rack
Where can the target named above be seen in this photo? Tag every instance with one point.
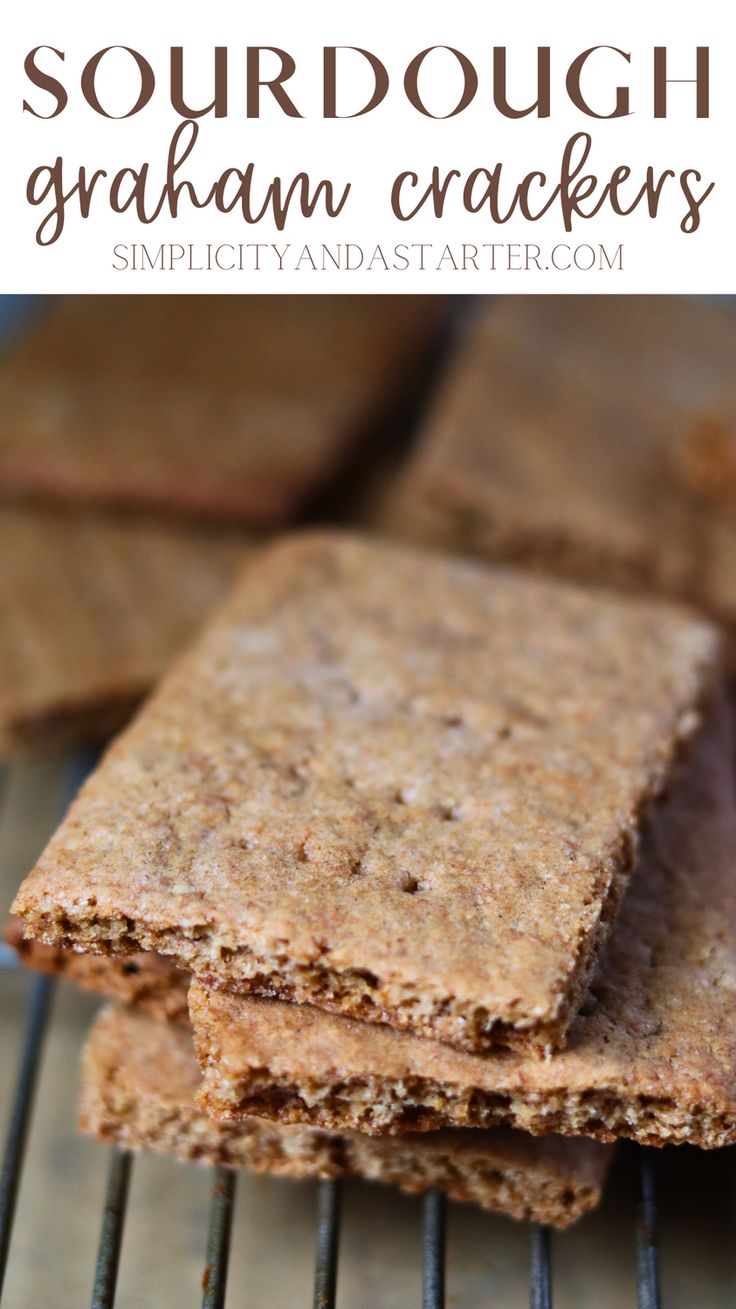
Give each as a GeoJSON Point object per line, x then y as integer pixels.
{"type": "Point", "coordinates": [216, 1242]}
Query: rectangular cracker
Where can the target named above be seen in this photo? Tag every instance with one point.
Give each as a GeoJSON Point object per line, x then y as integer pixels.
{"type": "Point", "coordinates": [582, 435]}
{"type": "Point", "coordinates": [92, 610]}
{"type": "Point", "coordinates": [387, 783]}
{"type": "Point", "coordinates": [139, 1083]}
{"type": "Point", "coordinates": [652, 1055]}
{"type": "Point", "coordinates": [225, 407]}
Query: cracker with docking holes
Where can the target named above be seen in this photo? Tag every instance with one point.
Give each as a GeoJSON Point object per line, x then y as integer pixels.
{"type": "Point", "coordinates": [652, 1055]}
{"type": "Point", "coordinates": [391, 784]}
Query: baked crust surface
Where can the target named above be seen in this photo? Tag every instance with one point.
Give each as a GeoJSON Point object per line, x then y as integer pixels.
{"type": "Point", "coordinates": [92, 610]}
{"type": "Point", "coordinates": [651, 1056]}
{"type": "Point", "coordinates": [229, 408]}
{"type": "Point", "coordinates": [591, 437]}
{"type": "Point", "coordinates": [386, 783]}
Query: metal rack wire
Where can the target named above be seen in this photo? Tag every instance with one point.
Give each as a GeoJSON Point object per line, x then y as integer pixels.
{"type": "Point", "coordinates": [224, 1184]}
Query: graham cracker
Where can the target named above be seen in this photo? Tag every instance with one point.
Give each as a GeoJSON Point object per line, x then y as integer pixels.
{"type": "Point", "coordinates": [139, 1083]}
{"type": "Point", "coordinates": [92, 610]}
{"type": "Point", "coordinates": [586, 436]}
{"type": "Point", "coordinates": [651, 1056]}
{"type": "Point", "coordinates": [387, 783]}
{"type": "Point", "coordinates": [230, 408]}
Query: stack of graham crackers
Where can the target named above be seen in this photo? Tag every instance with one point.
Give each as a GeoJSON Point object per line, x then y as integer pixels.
{"type": "Point", "coordinates": [447, 851]}
{"type": "Point", "coordinates": [422, 869]}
